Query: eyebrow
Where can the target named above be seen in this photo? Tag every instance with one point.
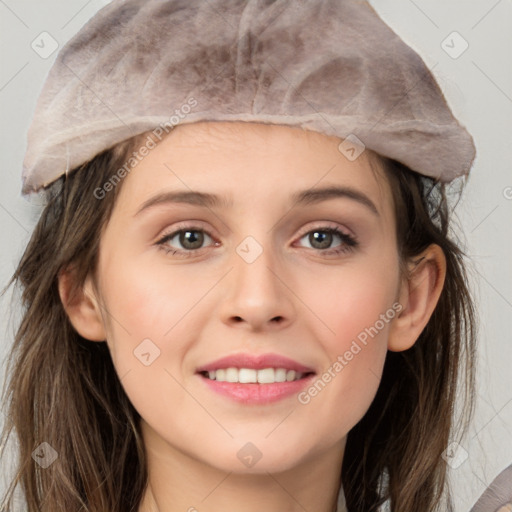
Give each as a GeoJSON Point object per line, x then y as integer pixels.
{"type": "Point", "coordinates": [300, 198]}
{"type": "Point", "coordinates": [317, 195]}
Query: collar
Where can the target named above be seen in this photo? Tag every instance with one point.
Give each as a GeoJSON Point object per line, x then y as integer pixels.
{"type": "Point", "coordinates": [342, 505]}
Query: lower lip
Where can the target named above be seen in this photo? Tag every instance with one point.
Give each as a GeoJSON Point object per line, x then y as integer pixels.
{"type": "Point", "coordinates": [257, 393]}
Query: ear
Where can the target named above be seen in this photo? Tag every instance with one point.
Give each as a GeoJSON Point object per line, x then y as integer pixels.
{"type": "Point", "coordinates": [81, 306]}
{"type": "Point", "coordinates": [419, 294]}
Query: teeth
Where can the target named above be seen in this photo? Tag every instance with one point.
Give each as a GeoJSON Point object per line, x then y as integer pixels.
{"type": "Point", "coordinates": [266, 376]}
{"type": "Point", "coordinates": [281, 375]}
{"type": "Point", "coordinates": [290, 375]}
{"type": "Point", "coordinates": [231, 375]}
{"type": "Point", "coordinates": [246, 375]}
{"type": "Point", "coordinates": [249, 375]}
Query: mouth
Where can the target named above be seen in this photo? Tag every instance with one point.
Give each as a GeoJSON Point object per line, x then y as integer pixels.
{"type": "Point", "coordinates": [256, 379]}
{"type": "Point", "coordinates": [253, 376]}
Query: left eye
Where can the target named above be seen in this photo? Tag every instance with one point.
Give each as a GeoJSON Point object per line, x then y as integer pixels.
{"type": "Point", "coordinates": [321, 239]}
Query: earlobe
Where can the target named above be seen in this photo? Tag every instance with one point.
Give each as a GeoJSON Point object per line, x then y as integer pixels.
{"type": "Point", "coordinates": [419, 295]}
{"type": "Point", "coordinates": [81, 306]}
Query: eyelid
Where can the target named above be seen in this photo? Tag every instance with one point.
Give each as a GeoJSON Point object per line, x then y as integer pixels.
{"type": "Point", "coordinates": [326, 224]}
{"type": "Point", "coordinates": [192, 225]}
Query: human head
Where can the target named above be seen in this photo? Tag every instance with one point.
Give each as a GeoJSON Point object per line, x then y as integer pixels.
{"type": "Point", "coordinates": [408, 231]}
{"type": "Point", "coordinates": [131, 69]}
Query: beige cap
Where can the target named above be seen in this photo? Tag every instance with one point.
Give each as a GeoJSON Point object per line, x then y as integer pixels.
{"type": "Point", "coordinates": [331, 66]}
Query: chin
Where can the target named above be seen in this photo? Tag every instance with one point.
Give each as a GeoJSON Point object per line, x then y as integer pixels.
{"type": "Point", "coordinates": [258, 457]}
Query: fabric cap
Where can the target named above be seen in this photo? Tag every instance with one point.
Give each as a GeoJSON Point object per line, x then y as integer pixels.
{"type": "Point", "coordinates": [331, 66]}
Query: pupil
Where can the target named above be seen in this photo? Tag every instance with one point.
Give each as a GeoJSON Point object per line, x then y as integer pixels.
{"type": "Point", "coordinates": [191, 237]}
{"type": "Point", "coordinates": [325, 238]}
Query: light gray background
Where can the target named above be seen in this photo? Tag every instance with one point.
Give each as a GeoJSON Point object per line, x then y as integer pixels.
{"type": "Point", "coordinates": [478, 86]}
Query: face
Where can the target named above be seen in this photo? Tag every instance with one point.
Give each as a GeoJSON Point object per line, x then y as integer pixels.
{"type": "Point", "coordinates": [287, 282]}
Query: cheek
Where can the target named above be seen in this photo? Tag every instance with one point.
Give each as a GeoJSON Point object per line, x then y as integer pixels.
{"type": "Point", "coordinates": [351, 300]}
{"type": "Point", "coordinates": [150, 329]}
{"type": "Point", "coordinates": [356, 310]}
{"type": "Point", "coordinates": [145, 315]}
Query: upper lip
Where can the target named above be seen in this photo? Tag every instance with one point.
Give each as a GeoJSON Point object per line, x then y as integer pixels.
{"type": "Point", "coordinates": [256, 362]}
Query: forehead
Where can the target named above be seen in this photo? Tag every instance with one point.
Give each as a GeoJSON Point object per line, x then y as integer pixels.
{"type": "Point", "coordinates": [239, 161]}
{"type": "Point", "coordinates": [239, 135]}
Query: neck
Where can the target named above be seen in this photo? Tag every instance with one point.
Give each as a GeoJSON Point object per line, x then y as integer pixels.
{"type": "Point", "coordinates": [179, 483]}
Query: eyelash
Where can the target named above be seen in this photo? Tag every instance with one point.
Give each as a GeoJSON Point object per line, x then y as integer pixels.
{"type": "Point", "coordinates": [348, 245]}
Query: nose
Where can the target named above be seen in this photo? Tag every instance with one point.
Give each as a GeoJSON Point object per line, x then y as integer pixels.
{"type": "Point", "coordinates": [257, 295]}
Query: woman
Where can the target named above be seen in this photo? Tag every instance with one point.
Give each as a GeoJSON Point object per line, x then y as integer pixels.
{"type": "Point", "coordinates": [304, 351]}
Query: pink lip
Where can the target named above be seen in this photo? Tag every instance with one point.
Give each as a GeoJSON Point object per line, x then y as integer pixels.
{"type": "Point", "coordinates": [257, 394]}
{"type": "Point", "coordinates": [252, 393]}
{"type": "Point", "coordinates": [256, 362]}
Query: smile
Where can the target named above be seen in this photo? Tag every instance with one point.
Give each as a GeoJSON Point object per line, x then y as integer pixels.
{"type": "Point", "coordinates": [253, 376]}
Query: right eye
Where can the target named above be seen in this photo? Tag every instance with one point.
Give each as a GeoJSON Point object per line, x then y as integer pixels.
{"type": "Point", "coordinates": [191, 238]}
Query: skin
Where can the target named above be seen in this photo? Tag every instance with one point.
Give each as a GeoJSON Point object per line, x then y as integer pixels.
{"type": "Point", "coordinates": [214, 303]}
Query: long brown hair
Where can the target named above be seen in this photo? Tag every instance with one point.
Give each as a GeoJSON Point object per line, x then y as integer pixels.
{"type": "Point", "coordinates": [396, 451]}
{"type": "Point", "coordinates": [64, 390]}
